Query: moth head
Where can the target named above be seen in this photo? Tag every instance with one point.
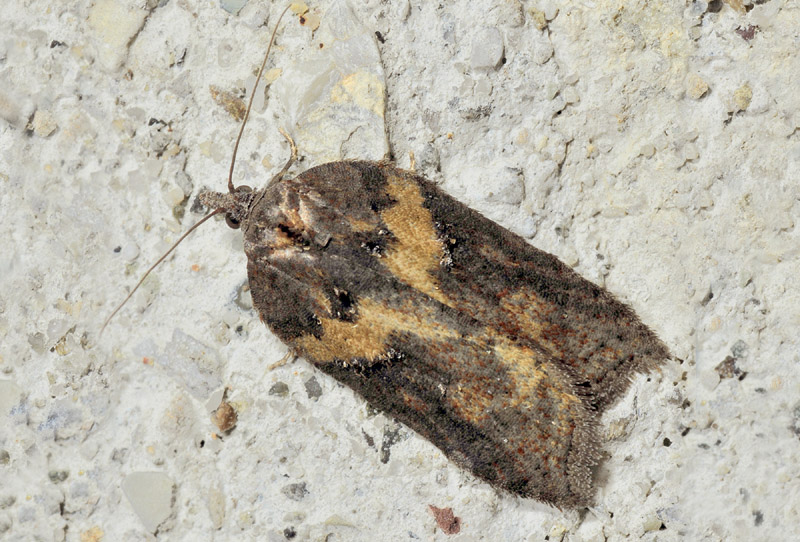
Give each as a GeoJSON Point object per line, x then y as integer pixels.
{"type": "Point", "coordinates": [235, 205]}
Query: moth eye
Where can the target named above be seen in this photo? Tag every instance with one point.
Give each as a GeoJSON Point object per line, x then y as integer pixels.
{"type": "Point", "coordinates": [232, 222]}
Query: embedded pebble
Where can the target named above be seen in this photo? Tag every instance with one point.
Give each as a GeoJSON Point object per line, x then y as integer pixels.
{"type": "Point", "coordinates": [653, 523]}
{"type": "Point", "coordinates": [313, 389]}
{"type": "Point", "coordinates": [152, 496]}
{"type": "Point", "coordinates": [280, 389]}
{"type": "Point", "coordinates": [44, 124]}
{"type": "Point", "coordinates": [697, 87]}
{"type": "Point", "coordinates": [542, 49]}
{"type": "Point", "coordinates": [708, 379]}
{"type": "Point", "coordinates": [232, 6]}
{"type": "Point", "coordinates": [114, 23]}
{"type": "Point", "coordinates": [487, 50]}
{"type": "Point", "coordinates": [10, 396]}
{"type": "Point", "coordinates": [742, 97]}
{"type": "Point", "coordinates": [216, 507]}
{"type": "Point", "coordinates": [295, 492]}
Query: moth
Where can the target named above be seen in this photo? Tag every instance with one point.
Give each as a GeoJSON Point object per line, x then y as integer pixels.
{"type": "Point", "coordinates": [493, 350]}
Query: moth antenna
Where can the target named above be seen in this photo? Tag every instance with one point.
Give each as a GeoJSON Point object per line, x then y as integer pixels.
{"type": "Point", "coordinates": [161, 259]}
{"type": "Point", "coordinates": [231, 188]}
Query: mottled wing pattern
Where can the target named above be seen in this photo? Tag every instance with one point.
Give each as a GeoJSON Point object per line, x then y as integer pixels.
{"type": "Point", "coordinates": [444, 320]}
{"type": "Point", "coordinates": [497, 277]}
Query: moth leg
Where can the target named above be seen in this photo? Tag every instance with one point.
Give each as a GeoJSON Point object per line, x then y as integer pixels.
{"type": "Point", "coordinates": [292, 159]}
{"type": "Point", "coordinates": [412, 162]}
{"type": "Point", "coordinates": [290, 357]}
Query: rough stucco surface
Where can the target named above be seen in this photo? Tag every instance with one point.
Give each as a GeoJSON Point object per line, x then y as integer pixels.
{"type": "Point", "coordinates": [653, 146]}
